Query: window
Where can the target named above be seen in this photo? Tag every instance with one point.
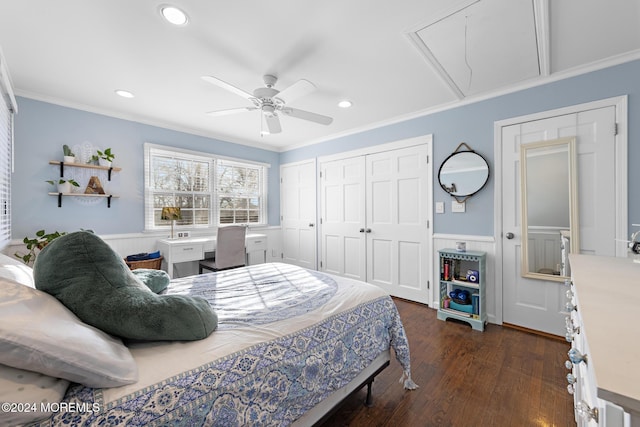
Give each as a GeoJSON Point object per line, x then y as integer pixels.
{"type": "Point", "coordinates": [239, 192]}
{"type": "Point", "coordinates": [209, 190]}
{"type": "Point", "coordinates": [7, 108]}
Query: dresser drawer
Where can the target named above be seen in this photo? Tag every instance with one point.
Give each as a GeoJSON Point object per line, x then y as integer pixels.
{"type": "Point", "coordinates": [259, 244]}
{"type": "Point", "coordinates": [187, 252]}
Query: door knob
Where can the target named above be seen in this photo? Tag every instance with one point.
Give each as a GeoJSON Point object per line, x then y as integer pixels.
{"type": "Point", "coordinates": [368, 230]}
{"type": "Point", "coordinates": [311, 224]}
{"type": "Point", "coordinates": [510, 235]}
{"type": "Point", "coordinates": [362, 230]}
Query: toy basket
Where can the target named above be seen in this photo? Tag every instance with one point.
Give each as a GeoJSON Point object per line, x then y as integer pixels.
{"type": "Point", "coordinates": [154, 263]}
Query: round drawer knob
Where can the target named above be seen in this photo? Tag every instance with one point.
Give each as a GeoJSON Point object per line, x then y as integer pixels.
{"type": "Point", "coordinates": [576, 357]}
{"type": "Point", "coordinates": [570, 378]}
{"type": "Point", "coordinates": [585, 412]}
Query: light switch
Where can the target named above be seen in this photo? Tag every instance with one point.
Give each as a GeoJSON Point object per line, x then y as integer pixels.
{"type": "Point", "coordinates": [457, 207]}
{"type": "Point", "coordinates": [439, 207]}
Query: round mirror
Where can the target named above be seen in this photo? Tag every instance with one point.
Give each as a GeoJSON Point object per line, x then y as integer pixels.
{"type": "Point", "coordinates": [463, 173]}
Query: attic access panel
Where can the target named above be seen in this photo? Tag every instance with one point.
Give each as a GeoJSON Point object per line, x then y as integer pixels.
{"type": "Point", "coordinates": [484, 46]}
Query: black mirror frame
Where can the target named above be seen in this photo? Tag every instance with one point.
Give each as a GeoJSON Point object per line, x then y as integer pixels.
{"type": "Point", "coordinates": [460, 198]}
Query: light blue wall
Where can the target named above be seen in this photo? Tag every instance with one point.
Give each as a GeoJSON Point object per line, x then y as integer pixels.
{"type": "Point", "coordinates": [42, 128]}
{"type": "Point", "coordinates": [473, 124]}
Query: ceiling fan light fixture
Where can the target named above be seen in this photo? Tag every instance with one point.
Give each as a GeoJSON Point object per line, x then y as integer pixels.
{"type": "Point", "coordinates": [272, 103]}
{"type": "Point", "coordinates": [173, 15]}
{"type": "Point", "coordinates": [345, 103]}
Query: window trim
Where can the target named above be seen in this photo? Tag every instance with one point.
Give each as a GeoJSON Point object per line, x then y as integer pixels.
{"type": "Point", "coordinates": [214, 217]}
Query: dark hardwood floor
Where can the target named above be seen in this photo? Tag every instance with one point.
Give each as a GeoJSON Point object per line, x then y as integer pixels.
{"type": "Point", "coordinates": [499, 377]}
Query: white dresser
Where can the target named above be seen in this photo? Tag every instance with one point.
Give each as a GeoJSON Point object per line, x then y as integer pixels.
{"type": "Point", "coordinates": [194, 249]}
{"type": "Point", "coordinates": [604, 331]}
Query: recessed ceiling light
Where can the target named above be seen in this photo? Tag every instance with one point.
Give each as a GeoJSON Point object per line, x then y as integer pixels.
{"type": "Point", "coordinates": [345, 104]}
{"type": "Point", "coordinates": [124, 93]}
{"type": "Point", "coordinates": [174, 15]}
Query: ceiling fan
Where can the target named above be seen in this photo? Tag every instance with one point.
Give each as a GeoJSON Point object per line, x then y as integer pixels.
{"type": "Point", "coordinates": [272, 102]}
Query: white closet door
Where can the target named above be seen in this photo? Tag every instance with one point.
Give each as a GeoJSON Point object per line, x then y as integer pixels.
{"type": "Point", "coordinates": [343, 218]}
{"type": "Point", "coordinates": [298, 213]}
{"type": "Point", "coordinates": [397, 185]}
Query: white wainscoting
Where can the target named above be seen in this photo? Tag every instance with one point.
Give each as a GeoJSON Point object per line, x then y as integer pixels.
{"type": "Point", "coordinates": [135, 243]}
{"type": "Point", "coordinates": [474, 243]}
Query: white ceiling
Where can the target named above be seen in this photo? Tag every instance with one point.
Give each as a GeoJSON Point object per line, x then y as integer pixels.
{"type": "Point", "coordinates": [393, 60]}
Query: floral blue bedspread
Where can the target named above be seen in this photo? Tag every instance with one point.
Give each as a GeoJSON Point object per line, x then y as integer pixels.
{"type": "Point", "coordinates": [271, 383]}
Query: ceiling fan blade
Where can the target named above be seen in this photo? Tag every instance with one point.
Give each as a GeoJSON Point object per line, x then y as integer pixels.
{"type": "Point", "coordinates": [307, 115]}
{"type": "Point", "coordinates": [273, 123]}
{"type": "Point", "coordinates": [227, 86]}
{"type": "Point", "coordinates": [230, 111]}
{"type": "Point", "coordinates": [298, 89]}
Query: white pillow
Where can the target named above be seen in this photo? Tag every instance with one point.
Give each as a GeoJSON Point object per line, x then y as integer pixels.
{"type": "Point", "coordinates": [38, 333]}
{"type": "Point", "coordinates": [14, 269]}
{"type": "Point", "coordinates": [30, 392]}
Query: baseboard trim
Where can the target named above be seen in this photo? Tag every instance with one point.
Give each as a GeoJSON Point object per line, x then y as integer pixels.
{"type": "Point", "coordinates": [533, 331]}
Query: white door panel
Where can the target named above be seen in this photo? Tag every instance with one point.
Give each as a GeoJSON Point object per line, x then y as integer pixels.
{"type": "Point", "coordinates": [408, 207]}
{"type": "Point", "coordinates": [298, 214]}
{"type": "Point", "coordinates": [342, 206]}
{"type": "Point", "coordinates": [408, 256]}
{"type": "Point", "coordinates": [333, 259]}
{"type": "Point", "coordinates": [538, 304]}
{"type": "Point", "coordinates": [354, 257]}
{"type": "Point", "coordinates": [397, 185]}
{"type": "Point", "coordinates": [596, 166]}
{"type": "Point", "coordinates": [382, 260]}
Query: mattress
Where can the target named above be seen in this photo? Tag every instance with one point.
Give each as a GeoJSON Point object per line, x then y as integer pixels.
{"type": "Point", "coordinates": [288, 339]}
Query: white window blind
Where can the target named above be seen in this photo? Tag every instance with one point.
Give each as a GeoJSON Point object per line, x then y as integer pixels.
{"type": "Point", "coordinates": [7, 108]}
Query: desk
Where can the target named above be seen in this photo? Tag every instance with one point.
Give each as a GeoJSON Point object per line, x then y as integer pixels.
{"type": "Point", "coordinates": [194, 248]}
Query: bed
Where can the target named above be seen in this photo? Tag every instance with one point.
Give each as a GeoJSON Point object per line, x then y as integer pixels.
{"type": "Point", "coordinates": [290, 345]}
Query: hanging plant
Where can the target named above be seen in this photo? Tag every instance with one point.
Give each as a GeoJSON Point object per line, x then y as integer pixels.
{"type": "Point", "coordinates": [35, 244]}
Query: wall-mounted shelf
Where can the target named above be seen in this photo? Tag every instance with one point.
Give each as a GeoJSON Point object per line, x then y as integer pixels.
{"type": "Point", "coordinates": [85, 166]}
{"type": "Point", "coordinates": [62, 165]}
{"type": "Point", "coordinates": [61, 195]}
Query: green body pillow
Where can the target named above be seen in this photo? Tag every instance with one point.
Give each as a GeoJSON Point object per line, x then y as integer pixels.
{"type": "Point", "coordinates": [156, 280]}
{"type": "Point", "coordinates": [93, 281]}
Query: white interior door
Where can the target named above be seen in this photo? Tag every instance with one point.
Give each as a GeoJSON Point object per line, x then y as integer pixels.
{"type": "Point", "coordinates": [298, 213]}
{"type": "Point", "coordinates": [343, 217]}
{"type": "Point", "coordinates": [397, 185]}
{"type": "Point", "coordinates": [538, 304]}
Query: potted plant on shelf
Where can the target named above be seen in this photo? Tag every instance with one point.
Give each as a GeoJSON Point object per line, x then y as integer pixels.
{"type": "Point", "coordinates": [103, 158]}
{"type": "Point", "coordinates": [36, 244]}
{"type": "Point", "coordinates": [69, 156]}
{"type": "Point", "coordinates": [64, 185]}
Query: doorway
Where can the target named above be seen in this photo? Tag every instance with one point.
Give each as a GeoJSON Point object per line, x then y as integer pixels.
{"type": "Point", "coordinates": [600, 132]}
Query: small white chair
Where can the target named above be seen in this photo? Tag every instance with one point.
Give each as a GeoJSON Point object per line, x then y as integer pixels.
{"type": "Point", "coordinates": [230, 250]}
